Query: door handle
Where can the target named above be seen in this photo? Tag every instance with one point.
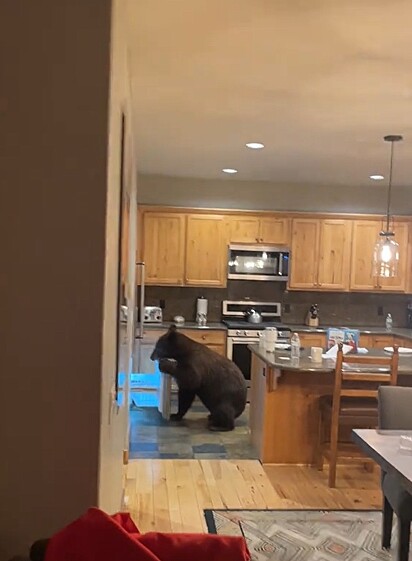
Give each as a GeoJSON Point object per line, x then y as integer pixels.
{"type": "Point", "coordinates": [141, 264]}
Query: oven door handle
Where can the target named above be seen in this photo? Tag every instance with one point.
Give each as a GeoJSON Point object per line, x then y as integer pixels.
{"type": "Point", "coordinates": [244, 340]}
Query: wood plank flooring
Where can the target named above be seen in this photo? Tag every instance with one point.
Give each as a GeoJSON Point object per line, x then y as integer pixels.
{"type": "Point", "coordinates": [170, 495]}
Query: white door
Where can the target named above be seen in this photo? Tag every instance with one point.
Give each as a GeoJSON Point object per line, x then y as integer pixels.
{"type": "Point", "coordinates": [165, 395]}
{"type": "Point", "coordinates": [149, 387]}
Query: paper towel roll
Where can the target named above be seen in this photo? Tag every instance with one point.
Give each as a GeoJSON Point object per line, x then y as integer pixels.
{"type": "Point", "coordinates": [271, 335]}
{"type": "Point", "coordinates": [201, 307]}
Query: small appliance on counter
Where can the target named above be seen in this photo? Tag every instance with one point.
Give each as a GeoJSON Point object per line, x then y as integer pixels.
{"type": "Point", "coordinates": [312, 318]}
{"type": "Point", "coordinates": [153, 314]}
{"type": "Point", "coordinates": [201, 311]}
{"type": "Point", "coordinates": [179, 320]}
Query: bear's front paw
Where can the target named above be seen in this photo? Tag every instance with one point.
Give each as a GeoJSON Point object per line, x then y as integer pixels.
{"type": "Point", "coordinates": [167, 365]}
{"type": "Point", "coordinates": [176, 417]}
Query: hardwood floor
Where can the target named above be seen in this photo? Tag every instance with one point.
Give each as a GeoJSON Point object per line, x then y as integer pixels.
{"type": "Point", "coordinates": [170, 495]}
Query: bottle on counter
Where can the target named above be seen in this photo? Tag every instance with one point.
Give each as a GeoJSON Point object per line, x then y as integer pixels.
{"type": "Point", "coordinates": [295, 346]}
{"type": "Point", "coordinates": [389, 322]}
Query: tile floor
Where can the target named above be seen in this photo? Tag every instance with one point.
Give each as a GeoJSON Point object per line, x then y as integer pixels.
{"type": "Point", "coordinates": [153, 437]}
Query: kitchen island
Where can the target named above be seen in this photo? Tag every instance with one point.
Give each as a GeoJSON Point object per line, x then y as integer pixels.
{"type": "Point", "coordinates": [284, 403]}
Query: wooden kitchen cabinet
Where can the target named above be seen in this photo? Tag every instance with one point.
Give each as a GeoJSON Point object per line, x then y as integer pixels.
{"type": "Point", "coordinates": [219, 349]}
{"type": "Point", "coordinates": [275, 231]}
{"type": "Point", "coordinates": [365, 236]}
{"type": "Point", "coordinates": [308, 339]}
{"type": "Point", "coordinates": [163, 247]}
{"type": "Point", "coordinates": [320, 254]}
{"type": "Point", "coordinates": [304, 257]}
{"type": "Point", "coordinates": [370, 341]}
{"type": "Point", "coordinates": [243, 229]}
{"type": "Point", "coordinates": [381, 341]}
{"type": "Point", "coordinates": [334, 254]}
{"type": "Point", "coordinates": [206, 258]}
{"type": "Point", "coordinates": [255, 229]}
{"type": "Point", "coordinates": [365, 341]}
{"type": "Point", "coordinates": [214, 339]}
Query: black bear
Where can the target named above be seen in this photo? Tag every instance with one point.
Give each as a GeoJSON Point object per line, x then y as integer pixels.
{"type": "Point", "coordinates": [199, 371]}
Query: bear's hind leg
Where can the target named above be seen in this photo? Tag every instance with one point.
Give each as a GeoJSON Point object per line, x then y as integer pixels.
{"type": "Point", "coordinates": [222, 418]}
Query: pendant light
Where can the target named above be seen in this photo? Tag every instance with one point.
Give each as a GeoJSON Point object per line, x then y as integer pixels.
{"type": "Point", "coordinates": [386, 253]}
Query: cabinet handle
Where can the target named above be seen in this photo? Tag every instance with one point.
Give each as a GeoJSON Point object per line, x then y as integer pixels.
{"type": "Point", "coordinates": [203, 337]}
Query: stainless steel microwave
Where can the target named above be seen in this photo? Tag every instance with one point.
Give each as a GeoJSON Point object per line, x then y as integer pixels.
{"type": "Point", "coordinates": [256, 262]}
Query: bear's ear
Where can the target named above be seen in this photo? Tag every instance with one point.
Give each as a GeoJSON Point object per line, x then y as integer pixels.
{"type": "Point", "coordinates": [172, 329]}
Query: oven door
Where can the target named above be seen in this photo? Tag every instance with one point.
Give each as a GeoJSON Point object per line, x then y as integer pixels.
{"type": "Point", "coordinates": [238, 352]}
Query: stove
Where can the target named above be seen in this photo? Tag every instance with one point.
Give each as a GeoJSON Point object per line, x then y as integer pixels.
{"type": "Point", "coordinates": [233, 316]}
{"type": "Point", "coordinates": [238, 328]}
{"type": "Point", "coordinates": [241, 333]}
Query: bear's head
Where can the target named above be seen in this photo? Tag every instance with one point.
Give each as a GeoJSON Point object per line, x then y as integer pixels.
{"type": "Point", "coordinates": [166, 346]}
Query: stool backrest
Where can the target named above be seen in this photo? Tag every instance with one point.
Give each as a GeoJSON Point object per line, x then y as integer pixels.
{"type": "Point", "coordinates": [363, 378]}
{"type": "Point", "coordinates": [395, 408]}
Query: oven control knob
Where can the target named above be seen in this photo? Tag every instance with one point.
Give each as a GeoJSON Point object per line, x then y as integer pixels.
{"type": "Point", "coordinates": [245, 333]}
{"type": "Point", "coordinates": [238, 333]}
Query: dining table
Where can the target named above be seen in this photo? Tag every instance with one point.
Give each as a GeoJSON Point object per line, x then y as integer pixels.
{"type": "Point", "coordinates": [384, 447]}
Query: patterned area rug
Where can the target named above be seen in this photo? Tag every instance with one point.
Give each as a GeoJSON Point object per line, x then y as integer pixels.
{"type": "Point", "coordinates": [304, 535]}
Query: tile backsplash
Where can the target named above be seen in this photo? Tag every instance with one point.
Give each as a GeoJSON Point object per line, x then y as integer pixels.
{"type": "Point", "coordinates": [355, 309]}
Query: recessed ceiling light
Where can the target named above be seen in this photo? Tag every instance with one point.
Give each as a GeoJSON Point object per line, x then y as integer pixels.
{"type": "Point", "coordinates": [255, 145]}
{"type": "Point", "coordinates": [229, 170]}
{"type": "Point", "coordinates": [376, 177]}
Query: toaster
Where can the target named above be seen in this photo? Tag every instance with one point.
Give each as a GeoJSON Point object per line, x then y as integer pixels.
{"type": "Point", "coordinates": [153, 314]}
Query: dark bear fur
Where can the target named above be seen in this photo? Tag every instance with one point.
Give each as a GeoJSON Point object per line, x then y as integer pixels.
{"type": "Point", "coordinates": [199, 371]}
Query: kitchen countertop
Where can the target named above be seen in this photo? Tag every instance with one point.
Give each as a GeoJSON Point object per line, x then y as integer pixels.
{"type": "Point", "coordinates": [365, 330]}
{"type": "Point", "coordinates": [282, 361]}
{"type": "Point", "coordinates": [217, 325]}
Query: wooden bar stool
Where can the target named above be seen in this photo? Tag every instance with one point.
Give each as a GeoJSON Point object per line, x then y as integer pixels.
{"type": "Point", "coordinates": [353, 404]}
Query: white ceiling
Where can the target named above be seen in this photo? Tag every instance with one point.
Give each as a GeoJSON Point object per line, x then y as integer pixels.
{"type": "Point", "coordinates": [319, 82]}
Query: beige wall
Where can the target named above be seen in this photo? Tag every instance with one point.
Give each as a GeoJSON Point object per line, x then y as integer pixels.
{"type": "Point", "coordinates": [58, 246]}
{"type": "Point", "coordinates": [261, 195]}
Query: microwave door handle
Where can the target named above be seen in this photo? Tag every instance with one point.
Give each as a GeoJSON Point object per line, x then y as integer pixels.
{"type": "Point", "coordinates": [142, 297]}
{"type": "Point", "coordinates": [280, 264]}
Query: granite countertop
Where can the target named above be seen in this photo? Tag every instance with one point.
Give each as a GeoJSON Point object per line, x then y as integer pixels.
{"type": "Point", "coordinates": [282, 361]}
{"type": "Point", "coordinates": [365, 330]}
{"type": "Point", "coordinates": [187, 325]}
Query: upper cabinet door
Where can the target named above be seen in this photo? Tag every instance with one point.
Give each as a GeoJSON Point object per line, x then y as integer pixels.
{"type": "Point", "coordinates": [243, 229]}
{"type": "Point", "coordinates": [334, 254]}
{"type": "Point", "coordinates": [206, 251]}
{"type": "Point", "coordinates": [163, 247]}
{"type": "Point", "coordinates": [275, 231]}
{"type": "Point", "coordinates": [304, 253]}
{"type": "Point", "coordinates": [365, 235]}
{"type": "Point", "coordinates": [399, 283]}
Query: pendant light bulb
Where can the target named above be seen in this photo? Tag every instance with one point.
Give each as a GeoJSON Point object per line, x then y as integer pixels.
{"type": "Point", "coordinates": [386, 252]}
